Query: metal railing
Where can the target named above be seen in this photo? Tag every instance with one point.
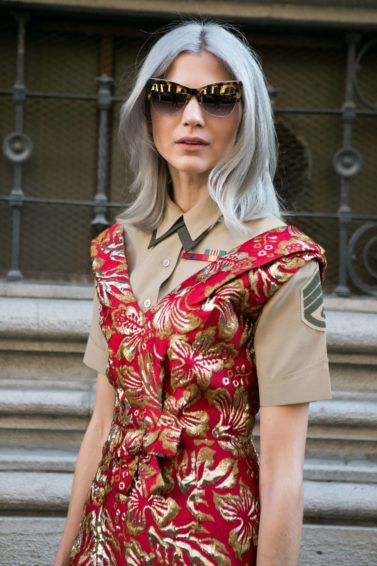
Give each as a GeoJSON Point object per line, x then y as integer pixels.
{"type": "Point", "coordinates": [347, 162]}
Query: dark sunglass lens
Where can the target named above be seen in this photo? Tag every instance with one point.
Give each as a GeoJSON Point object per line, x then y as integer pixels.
{"type": "Point", "coordinates": [220, 99]}
{"type": "Point", "coordinates": [217, 99]}
{"type": "Point", "coordinates": [167, 101]}
{"type": "Point", "coordinates": [164, 106]}
{"type": "Point", "coordinates": [218, 105]}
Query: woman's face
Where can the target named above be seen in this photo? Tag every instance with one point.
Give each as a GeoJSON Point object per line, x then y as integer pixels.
{"type": "Point", "coordinates": [195, 70]}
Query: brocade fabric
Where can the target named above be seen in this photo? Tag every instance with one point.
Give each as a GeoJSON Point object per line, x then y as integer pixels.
{"type": "Point", "coordinates": [178, 479]}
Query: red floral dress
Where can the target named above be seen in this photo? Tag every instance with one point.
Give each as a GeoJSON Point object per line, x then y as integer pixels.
{"type": "Point", "coordinates": [178, 479]}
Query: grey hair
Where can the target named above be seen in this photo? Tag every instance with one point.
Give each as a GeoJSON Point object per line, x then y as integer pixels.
{"type": "Point", "coordinates": [242, 183]}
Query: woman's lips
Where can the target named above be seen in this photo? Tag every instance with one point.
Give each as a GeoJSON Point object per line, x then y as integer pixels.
{"type": "Point", "coordinates": [192, 146]}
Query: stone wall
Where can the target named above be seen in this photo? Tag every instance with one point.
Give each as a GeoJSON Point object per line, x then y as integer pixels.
{"type": "Point", "coordinates": [313, 12]}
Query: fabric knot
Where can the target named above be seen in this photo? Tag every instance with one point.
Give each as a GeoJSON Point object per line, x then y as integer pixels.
{"type": "Point", "coordinates": [138, 456]}
{"type": "Point", "coordinates": [165, 438]}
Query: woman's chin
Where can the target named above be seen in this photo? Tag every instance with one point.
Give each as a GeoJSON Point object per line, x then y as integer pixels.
{"type": "Point", "coordinates": [192, 165]}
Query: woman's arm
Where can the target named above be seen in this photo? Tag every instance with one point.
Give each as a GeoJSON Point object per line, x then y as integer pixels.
{"type": "Point", "coordinates": [87, 463]}
{"type": "Point", "coordinates": [283, 432]}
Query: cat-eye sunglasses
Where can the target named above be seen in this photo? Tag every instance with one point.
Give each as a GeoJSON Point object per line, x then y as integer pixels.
{"type": "Point", "coordinates": [217, 99]}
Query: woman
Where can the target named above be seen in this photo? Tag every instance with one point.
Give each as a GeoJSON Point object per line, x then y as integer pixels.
{"type": "Point", "coordinates": [208, 307]}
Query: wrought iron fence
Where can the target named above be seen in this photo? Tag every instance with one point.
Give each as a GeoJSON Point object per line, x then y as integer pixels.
{"type": "Point", "coordinates": [63, 177]}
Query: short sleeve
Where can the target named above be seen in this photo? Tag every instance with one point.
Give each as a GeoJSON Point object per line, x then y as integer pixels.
{"type": "Point", "coordinates": [96, 351]}
{"type": "Point", "coordinates": [290, 342]}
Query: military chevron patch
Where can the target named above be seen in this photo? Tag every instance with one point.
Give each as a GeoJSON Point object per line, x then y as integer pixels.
{"type": "Point", "coordinates": [312, 312]}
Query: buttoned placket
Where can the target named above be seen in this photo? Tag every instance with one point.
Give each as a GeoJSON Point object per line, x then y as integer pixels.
{"type": "Point", "coordinates": [160, 262]}
{"type": "Point", "coordinates": [155, 265]}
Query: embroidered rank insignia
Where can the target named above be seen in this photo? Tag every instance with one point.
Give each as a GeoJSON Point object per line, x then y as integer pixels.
{"type": "Point", "coordinates": [312, 312]}
{"type": "Point", "coordinates": [208, 255]}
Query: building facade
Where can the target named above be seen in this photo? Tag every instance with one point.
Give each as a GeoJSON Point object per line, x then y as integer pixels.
{"type": "Point", "coordinates": [65, 68]}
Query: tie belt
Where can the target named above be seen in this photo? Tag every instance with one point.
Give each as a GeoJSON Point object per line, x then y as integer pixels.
{"type": "Point", "coordinates": [137, 456]}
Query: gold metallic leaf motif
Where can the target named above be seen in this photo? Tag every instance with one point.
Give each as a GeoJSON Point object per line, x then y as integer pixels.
{"type": "Point", "coordinates": [244, 510]}
{"type": "Point", "coordinates": [195, 423]}
{"type": "Point", "coordinates": [200, 470]}
{"type": "Point", "coordinates": [235, 424]}
{"type": "Point", "coordinates": [197, 361]}
{"type": "Point", "coordinates": [225, 301]}
{"type": "Point", "coordinates": [110, 285]}
{"type": "Point", "coordinates": [130, 381]}
{"type": "Point", "coordinates": [130, 323]}
{"type": "Point", "coordinates": [135, 555]}
{"type": "Point", "coordinates": [96, 539]}
{"type": "Point", "coordinates": [190, 546]}
{"type": "Point", "coordinates": [174, 314]}
{"type": "Point", "coordinates": [162, 509]}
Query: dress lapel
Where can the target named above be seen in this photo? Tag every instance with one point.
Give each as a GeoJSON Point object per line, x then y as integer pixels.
{"type": "Point", "coordinates": [110, 264]}
{"type": "Point", "coordinates": [253, 254]}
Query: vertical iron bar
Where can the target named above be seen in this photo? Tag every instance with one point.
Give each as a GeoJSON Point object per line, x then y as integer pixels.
{"type": "Point", "coordinates": [17, 194]}
{"type": "Point", "coordinates": [344, 210]}
{"type": "Point", "coordinates": [104, 104]}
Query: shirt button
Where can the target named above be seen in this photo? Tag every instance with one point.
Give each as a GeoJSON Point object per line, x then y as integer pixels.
{"type": "Point", "coordinates": [147, 303]}
{"type": "Point", "coordinates": [166, 262]}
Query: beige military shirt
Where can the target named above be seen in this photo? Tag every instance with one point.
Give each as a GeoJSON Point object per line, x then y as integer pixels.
{"type": "Point", "coordinates": [290, 350]}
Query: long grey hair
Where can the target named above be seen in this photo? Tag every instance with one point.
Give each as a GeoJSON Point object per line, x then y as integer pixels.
{"type": "Point", "coordinates": [242, 184]}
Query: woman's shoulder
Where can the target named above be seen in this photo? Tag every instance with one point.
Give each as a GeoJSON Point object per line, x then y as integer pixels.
{"type": "Point", "coordinates": [255, 227]}
{"type": "Point", "coordinates": [258, 226]}
{"type": "Point", "coordinates": [123, 229]}
{"type": "Point", "coordinates": [289, 235]}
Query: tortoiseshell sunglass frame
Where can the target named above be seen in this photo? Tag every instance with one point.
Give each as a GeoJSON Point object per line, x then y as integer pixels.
{"type": "Point", "coordinates": [223, 96]}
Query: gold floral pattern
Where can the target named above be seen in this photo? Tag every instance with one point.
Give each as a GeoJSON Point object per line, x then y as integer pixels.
{"type": "Point", "coordinates": [235, 420]}
{"type": "Point", "coordinates": [198, 361]}
{"type": "Point", "coordinates": [244, 510]}
{"type": "Point", "coordinates": [177, 313]}
{"type": "Point", "coordinates": [163, 509]}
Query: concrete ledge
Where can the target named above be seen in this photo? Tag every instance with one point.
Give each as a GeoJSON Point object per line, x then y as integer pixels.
{"type": "Point", "coordinates": [354, 414]}
{"type": "Point", "coordinates": [356, 303]}
{"type": "Point", "coordinates": [342, 503]}
{"type": "Point", "coordinates": [33, 541]}
{"type": "Point", "coordinates": [49, 319]}
{"type": "Point", "coordinates": [325, 502]}
{"type": "Point", "coordinates": [352, 332]}
{"type": "Point", "coordinates": [35, 492]}
{"type": "Point", "coordinates": [54, 460]}
{"type": "Point", "coordinates": [354, 471]}
{"type": "Point", "coordinates": [344, 413]}
{"type": "Point", "coordinates": [322, 545]}
{"type": "Point", "coordinates": [39, 290]}
{"type": "Point", "coordinates": [29, 541]}
{"type": "Point", "coordinates": [41, 402]}
{"type": "Point", "coordinates": [38, 460]}
{"type": "Point", "coordinates": [56, 384]}
{"type": "Point", "coordinates": [30, 318]}
{"type": "Point", "coordinates": [342, 430]}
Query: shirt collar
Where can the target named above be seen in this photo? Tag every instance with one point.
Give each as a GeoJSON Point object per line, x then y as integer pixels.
{"type": "Point", "coordinates": [201, 216]}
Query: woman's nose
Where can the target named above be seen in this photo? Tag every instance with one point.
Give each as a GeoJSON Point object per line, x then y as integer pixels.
{"type": "Point", "coordinates": [193, 112]}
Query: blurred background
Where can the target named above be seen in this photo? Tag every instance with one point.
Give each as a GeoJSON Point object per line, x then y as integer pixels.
{"type": "Point", "coordinates": [65, 68]}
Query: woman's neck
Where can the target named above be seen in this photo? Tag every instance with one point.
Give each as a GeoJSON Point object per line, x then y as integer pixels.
{"type": "Point", "coordinates": [186, 192]}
